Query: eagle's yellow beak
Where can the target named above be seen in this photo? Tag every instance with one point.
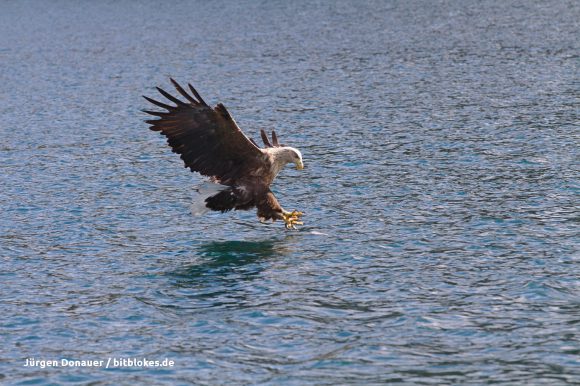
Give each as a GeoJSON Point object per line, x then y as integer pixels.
{"type": "Point", "coordinates": [299, 165]}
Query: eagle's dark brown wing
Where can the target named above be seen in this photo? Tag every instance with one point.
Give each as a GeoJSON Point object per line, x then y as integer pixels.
{"type": "Point", "coordinates": [208, 139]}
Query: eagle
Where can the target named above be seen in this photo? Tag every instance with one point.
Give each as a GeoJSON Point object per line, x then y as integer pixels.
{"type": "Point", "coordinates": [211, 143]}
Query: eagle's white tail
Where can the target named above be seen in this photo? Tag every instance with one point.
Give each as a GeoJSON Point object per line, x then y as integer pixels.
{"type": "Point", "coordinates": [204, 191]}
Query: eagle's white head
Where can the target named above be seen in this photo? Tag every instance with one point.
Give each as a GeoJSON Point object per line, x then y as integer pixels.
{"type": "Point", "coordinates": [295, 157]}
{"type": "Point", "coordinates": [280, 156]}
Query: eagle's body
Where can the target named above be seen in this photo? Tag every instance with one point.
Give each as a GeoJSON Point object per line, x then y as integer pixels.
{"type": "Point", "coordinates": [211, 143]}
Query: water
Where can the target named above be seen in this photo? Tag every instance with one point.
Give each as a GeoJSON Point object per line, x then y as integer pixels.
{"type": "Point", "coordinates": [441, 194]}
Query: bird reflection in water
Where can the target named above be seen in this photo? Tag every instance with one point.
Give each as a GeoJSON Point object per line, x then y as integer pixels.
{"type": "Point", "coordinates": [224, 261]}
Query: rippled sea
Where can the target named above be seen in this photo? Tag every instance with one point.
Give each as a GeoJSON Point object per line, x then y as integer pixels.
{"type": "Point", "coordinates": [440, 194]}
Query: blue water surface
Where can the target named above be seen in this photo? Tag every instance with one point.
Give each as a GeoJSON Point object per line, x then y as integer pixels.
{"type": "Point", "coordinates": [440, 193]}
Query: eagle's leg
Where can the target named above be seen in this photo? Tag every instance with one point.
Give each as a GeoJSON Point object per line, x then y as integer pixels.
{"type": "Point", "coordinates": [269, 208]}
{"type": "Point", "coordinates": [291, 219]}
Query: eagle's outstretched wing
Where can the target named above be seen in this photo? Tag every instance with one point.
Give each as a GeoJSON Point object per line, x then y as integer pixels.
{"type": "Point", "coordinates": [208, 139]}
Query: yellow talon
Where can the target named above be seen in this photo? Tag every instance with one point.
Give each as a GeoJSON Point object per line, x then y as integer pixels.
{"type": "Point", "coordinates": [291, 219]}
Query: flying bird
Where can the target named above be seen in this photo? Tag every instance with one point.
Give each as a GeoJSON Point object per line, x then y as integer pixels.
{"type": "Point", "coordinates": [210, 142]}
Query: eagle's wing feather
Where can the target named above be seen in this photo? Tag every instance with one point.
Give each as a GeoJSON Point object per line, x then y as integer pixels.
{"type": "Point", "coordinates": [208, 139]}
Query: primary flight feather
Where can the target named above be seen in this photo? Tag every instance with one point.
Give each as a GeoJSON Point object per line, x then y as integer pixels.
{"type": "Point", "coordinates": [210, 142]}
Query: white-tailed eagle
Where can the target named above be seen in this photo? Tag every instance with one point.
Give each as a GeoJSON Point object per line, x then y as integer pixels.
{"type": "Point", "coordinates": [210, 142]}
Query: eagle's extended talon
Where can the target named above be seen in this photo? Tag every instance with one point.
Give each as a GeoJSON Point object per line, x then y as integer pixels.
{"type": "Point", "coordinates": [291, 219]}
{"type": "Point", "coordinates": [296, 214]}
